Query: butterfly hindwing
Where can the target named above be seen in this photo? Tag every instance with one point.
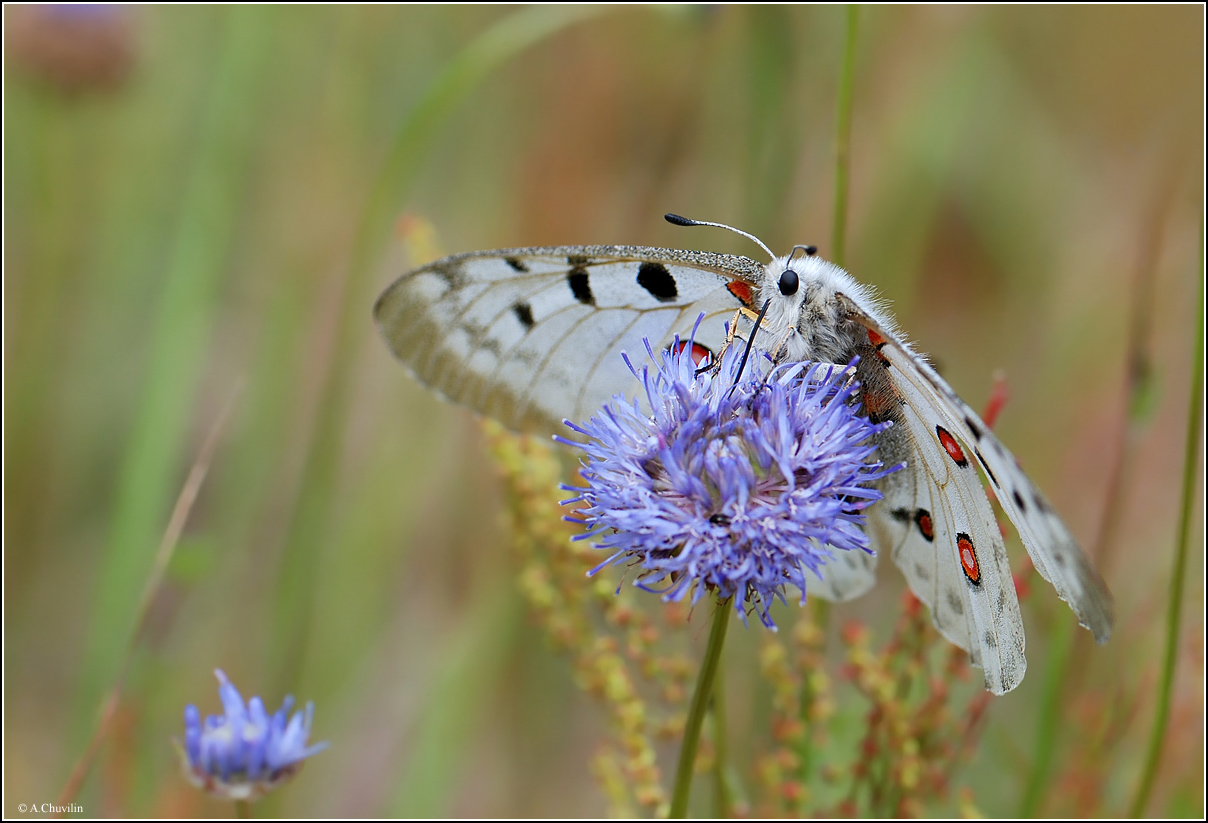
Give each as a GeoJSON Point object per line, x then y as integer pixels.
{"type": "Point", "coordinates": [970, 591]}
{"type": "Point", "coordinates": [846, 576]}
{"type": "Point", "coordinates": [1054, 551]}
{"type": "Point", "coordinates": [534, 336]}
{"type": "Point", "coordinates": [904, 525]}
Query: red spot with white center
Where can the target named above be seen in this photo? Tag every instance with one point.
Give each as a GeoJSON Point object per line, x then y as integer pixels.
{"type": "Point", "coordinates": [964, 546]}
{"type": "Point", "coordinates": [951, 446]}
{"type": "Point", "coordinates": [701, 355]}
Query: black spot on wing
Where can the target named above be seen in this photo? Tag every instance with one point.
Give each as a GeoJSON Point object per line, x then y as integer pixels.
{"type": "Point", "coordinates": [989, 641]}
{"type": "Point", "coordinates": [516, 263]}
{"type": "Point", "coordinates": [1018, 498]}
{"type": "Point", "coordinates": [985, 466]}
{"type": "Point", "coordinates": [655, 278]}
{"type": "Point", "coordinates": [902, 515]}
{"type": "Point", "coordinates": [451, 273]}
{"type": "Point", "coordinates": [922, 519]}
{"type": "Point", "coordinates": [577, 261]}
{"type": "Point", "coordinates": [973, 427]}
{"type": "Point", "coordinates": [580, 288]}
{"type": "Point", "coordinates": [524, 313]}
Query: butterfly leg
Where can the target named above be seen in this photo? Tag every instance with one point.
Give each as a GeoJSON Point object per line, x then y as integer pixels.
{"type": "Point", "coordinates": [731, 329]}
{"type": "Point", "coordinates": [781, 344]}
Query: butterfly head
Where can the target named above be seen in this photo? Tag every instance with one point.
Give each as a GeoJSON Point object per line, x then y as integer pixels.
{"type": "Point", "coordinates": [803, 315]}
{"type": "Point", "coordinates": [789, 281]}
{"type": "Point", "coordinates": [802, 318]}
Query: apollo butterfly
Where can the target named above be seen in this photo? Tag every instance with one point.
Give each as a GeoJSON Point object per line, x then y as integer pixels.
{"type": "Point", "coordinates": [533, 336]}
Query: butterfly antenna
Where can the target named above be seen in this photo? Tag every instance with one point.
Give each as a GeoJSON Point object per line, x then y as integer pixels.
{"type": "Point", "coordinates": [751, 340]}
{"type": "Point", "coordinates": [676, 220]}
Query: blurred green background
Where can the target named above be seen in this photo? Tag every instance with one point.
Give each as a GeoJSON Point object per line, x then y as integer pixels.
{"type": "Point", "coordinates": [200, 209]}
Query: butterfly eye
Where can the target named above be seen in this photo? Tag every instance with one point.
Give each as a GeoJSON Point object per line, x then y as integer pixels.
{"type": "Point", "coordinates": [789, 282]}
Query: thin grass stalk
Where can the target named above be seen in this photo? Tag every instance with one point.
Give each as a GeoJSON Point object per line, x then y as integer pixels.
{"type": "Point", "coordinates": [838, 252]}
{"type": "Point", "coordinates": [167, 547]}
{"type": "Point", "coordinates": [1064, 665]}
{"type": "Point", "coordinates": [196, 263]}
{"type": "Point", "coordinates": [1174, 600]}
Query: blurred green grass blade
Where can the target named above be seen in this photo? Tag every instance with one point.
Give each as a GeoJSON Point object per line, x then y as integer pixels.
{"type": "Point", "coordinates": [1049, 719]}
{"type": "Point", "coordinates": [842, 162]}
{"type": "Point", "coordinates": [459, 692]}
{"type": "Point", "coordinates": [1174, 602]}
{"type": "Point", "coordinates": [210, 206]}
{"type": "Point", "coordinates": [771, 149]}
{"type": "Point", "coordinates": [310, 526]}
{"type": "Point", "coordinates": [490, 50]}
{"type": "Point", "coordinates": [838, 250]}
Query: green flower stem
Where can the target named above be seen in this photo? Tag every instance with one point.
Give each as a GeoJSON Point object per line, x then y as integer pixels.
{"type": "Point", "coordinates": [843, 138]}
{"type": "Point", "coordinates": [1177, 574]}
{"type": "Point", "coordinates": [700, 705]}
{"type": "Point", "coordinates": [721, 790]}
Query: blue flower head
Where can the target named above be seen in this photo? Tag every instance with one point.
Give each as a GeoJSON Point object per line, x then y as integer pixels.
{"type": "Point", "coordinates": [244, 753]}
{"type": "Point", "coordinates": [741, 486]}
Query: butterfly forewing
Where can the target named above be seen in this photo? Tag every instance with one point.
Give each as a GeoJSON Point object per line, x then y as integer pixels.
{"type": "Point", "coordinates": [534, 336]}
{"type": "Point", "coordinates": [1054, 551]}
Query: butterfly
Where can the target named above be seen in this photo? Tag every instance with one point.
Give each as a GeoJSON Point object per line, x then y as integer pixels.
{"type": "Point", "coordinates": [534, 336]}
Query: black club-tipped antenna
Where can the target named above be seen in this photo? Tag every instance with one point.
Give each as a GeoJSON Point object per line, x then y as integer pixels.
{"type": "Point", "coordinates": [676, 220]}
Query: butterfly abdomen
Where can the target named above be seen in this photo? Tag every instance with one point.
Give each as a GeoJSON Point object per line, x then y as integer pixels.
{"type": "Point", "coordinates": [882, 401]}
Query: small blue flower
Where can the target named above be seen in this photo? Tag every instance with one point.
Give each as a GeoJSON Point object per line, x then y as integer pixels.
{"type": "Point", "coordinates": [739, 486]}
{"type": "Point", "coordinates": [244, 753]}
